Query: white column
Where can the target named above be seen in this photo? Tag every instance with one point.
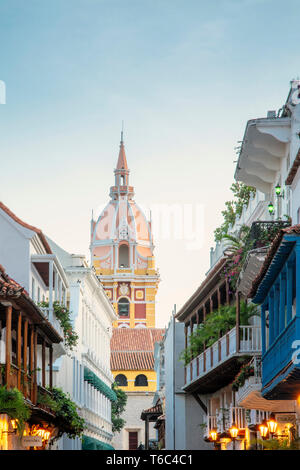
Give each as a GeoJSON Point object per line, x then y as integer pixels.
{"type": "Point", "coordinates": [51, 290]}
{"type": "Point", "coordinates": [60, 290]}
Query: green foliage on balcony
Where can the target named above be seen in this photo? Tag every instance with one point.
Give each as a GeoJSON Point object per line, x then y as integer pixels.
{"type": "Point", "coordinates": [234, 208]}
{"type": "Point", "coordinates": [12, 403]}
{"type": "Point", "coordinates": [216, 325]}
{"type": "Point", "coordinates": [246, 371]}
{"type": "Point", "coordinates": [67, 418]}
{"type": "Point", "coordinates": [277, 444]}
{"type": "Point", "coordinates": [63, 315]}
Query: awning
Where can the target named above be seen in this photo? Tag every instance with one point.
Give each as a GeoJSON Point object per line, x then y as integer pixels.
{"type": "Point", "coordinates": [98, 384]}
{"type": "Point", "coordinates": [152, 413]}
{"type": "Point", "coordinates": [90, 443]}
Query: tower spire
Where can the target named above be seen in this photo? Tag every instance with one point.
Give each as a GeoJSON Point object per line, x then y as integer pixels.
{"type": "Point", "coordinates": [122, 161]}
{"type": "Point", "coordinates": [121, 186]}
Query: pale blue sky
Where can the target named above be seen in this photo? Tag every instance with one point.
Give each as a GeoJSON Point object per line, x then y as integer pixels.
{"type": "Point", "coordinates": [185, 75]}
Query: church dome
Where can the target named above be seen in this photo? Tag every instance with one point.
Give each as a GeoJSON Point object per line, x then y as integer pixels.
{"type": "Point", "coordinates": [122, 222]}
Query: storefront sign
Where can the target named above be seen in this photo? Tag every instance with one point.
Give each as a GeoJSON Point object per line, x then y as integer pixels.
{"type": "Point", "coordinates": [32, 441]}
{"type": "Point", "coordinates": [285, 418]}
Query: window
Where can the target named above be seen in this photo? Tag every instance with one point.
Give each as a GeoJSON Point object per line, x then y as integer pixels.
{"type": "Point", "coordinates": [123, 256]}
{"type": "Point", "coordinates": [123, 307]}
{"type": "Point", "coordinates": [141, 381]}
{"type": "Point", "coordinates": [121, 380]}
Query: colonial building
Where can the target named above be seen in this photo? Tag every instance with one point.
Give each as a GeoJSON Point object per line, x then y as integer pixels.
{"type": "Point", "coordinates": [85, 373]}
{"type": "Point", "coordinates": [122, 255]}
{"type": "Point", "coordinates": [26, 344]}
{"type": "Point", "coordinates": [27, 257]}
{"type": "Point", "coordinates": [31, 337]}
{"type": "Point", "coordinates": [247, 379]}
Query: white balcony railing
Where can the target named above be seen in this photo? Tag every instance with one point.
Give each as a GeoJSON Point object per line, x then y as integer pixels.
{"type": "Point", "coordinates": [225, 417]}
{"type": "Point", "coordinates": [50, 315]}
{"type": "Point", "coordinates": [211, 423]}
{"type": "Point", "coordinates": [243, 418]}
{"type": "Point", "coordinates": [223, 349]}
{"type": "Point", "coordinates": [52, 276]}
{"type": "Point", "coordinates": [258, 416]}
{"type": "Point", "coordinates": [252, 383]}
{"type": "Point", "coordinates": [237, 415]}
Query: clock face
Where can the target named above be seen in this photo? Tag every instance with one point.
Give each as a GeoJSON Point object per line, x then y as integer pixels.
{"type": "Point", "coordinates": [124, 289]}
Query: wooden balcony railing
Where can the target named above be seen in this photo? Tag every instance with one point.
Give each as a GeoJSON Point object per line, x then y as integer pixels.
{"type": "Point", "coordinates": [18, 379]}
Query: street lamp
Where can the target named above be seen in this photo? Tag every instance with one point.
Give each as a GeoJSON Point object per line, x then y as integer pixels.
{"type": "Point", "coordinates": [271, 208]}
{"type": "Point", "coordinates": [213, 435]}
{"type": "Point", "coordinates": [272, 424]}
{"type": "Point", "coordinates": [233, 433]}
{"type": "Point", "coordinates": [263, 429]}
{"type": "Point", "coordinates": [278, 189]}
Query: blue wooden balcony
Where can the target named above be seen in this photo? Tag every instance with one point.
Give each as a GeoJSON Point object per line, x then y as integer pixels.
{"type": "Point", "coordinates": [278, 292]}
{"type": "Point", "coordinates": [281, 374]}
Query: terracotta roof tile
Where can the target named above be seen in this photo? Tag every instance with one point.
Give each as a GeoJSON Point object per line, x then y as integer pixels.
{"type": "Point", "coordinates": [270, 255]}
{"type": "Point", "coordinates": [133, 348]}
{"type": "Point", "coordinates": [30, 227]}
{"type": "Point", "coordinates": [9, 287]}
{"type": "Point", "coordinates": [154, 410]}
{"type": "Point", "coordinates": [135, 339]}
{"type": "Point", "coordinates": [134, 360]}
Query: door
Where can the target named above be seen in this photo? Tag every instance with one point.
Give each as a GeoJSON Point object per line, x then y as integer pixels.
{"type": "Point", "coordinates": [133, 440]}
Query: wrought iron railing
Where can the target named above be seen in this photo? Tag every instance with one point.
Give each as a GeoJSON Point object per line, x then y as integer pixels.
{"type": "Point", "coordinates": [262, 233]}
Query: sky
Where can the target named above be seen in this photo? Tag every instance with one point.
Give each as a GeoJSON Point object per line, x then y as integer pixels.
{"type": "Point", "coordinates": [184, 75]}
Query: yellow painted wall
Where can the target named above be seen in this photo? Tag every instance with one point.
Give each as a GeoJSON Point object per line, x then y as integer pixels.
{"type": "Point", "coordinates": [131, 375]}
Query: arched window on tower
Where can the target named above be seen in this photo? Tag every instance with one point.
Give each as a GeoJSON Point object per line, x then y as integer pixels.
{"type": "Point", "coordinates": [141, 381]}
{"type": "Point", "coordinates": [123, 307]}
{"type": "Point", "coordinates": [123, 256]}
{"type": "Point", "coordinates": [122, 180]}
{"type": "Point", "coordinates": [121, 380]}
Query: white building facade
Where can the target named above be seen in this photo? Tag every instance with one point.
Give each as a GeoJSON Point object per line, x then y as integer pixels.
{"type": "Point", "coordinates": [26, 255]}
{"type": "Point", "coordinates": [85, 372]}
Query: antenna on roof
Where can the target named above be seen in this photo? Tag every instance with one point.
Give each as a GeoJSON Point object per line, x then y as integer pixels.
{"type": "Point", "coordinates": [122, 132]}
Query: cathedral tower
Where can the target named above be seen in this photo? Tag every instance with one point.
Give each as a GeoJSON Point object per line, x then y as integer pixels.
{"type": "Point", "coordinates": [122, 253]}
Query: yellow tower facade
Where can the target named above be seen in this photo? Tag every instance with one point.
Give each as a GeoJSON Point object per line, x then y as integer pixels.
{"type": "Point", "coordinates": [122, 253]}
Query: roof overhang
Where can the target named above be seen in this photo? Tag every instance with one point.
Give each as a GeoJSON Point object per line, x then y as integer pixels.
{"type": "Point", "coordinates": [279, 258]}
{"type": "Point", "coordinates": [264, 144]}
{"type": "Point", "coordinates": [251, 268]}
{"type": "Point", "coordinates": [41, 263]}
